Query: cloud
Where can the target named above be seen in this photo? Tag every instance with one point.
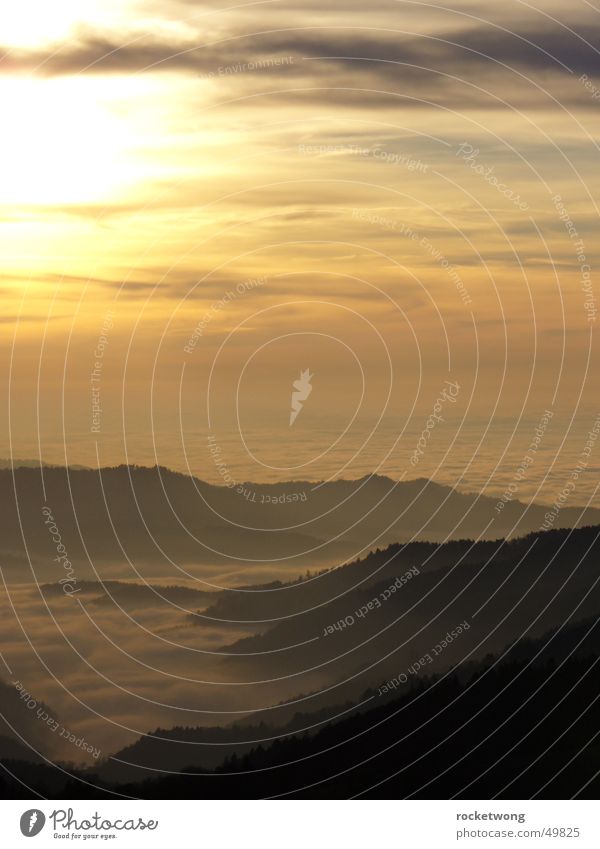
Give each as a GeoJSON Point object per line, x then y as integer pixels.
{"type": "Point", "coordinates": [21, 318]}
{"type": "Point", "coordinates": [478, 66]}
{"type": "Point", "coordinates": [124, 664]}
{"type": "Point", "coordinates": [547, 48]}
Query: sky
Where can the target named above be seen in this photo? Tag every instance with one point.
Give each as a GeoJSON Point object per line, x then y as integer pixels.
{"type": "Point", "coordinates": [200, 201]}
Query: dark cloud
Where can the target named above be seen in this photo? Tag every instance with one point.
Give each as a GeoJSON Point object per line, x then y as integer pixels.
{"type": "Point", "coordinates": [480, 66]}
{"type": "Point", "coordinates": [546, 49]}
{"type": "Point", "coordinates": [20, 318]}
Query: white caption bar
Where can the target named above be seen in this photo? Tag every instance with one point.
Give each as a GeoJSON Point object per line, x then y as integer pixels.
{"type": "Point", "coordinates": [301, 824]}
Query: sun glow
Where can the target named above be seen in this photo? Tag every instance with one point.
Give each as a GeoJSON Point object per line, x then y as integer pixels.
{"type": "Point", "coordinates": [59, 144]}
{"type": "Point", "coordinates": [31, 23]}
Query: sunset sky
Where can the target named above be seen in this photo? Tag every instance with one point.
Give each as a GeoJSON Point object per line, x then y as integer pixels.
{"type": "Point", "coordinates": [376, 191]}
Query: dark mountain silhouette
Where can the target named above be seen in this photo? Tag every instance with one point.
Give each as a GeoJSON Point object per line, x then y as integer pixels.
{"type": "Point", "coordinates": [511, 726]}
{"type": "Point", "coordinates": [35, 464]}
{"type": "Point", "coordinates": [174, 749]}
{"type": "Point", "coordinates": [492, 737]}
{"type": "Point", "coordinates": [156, 517]}
{"type": "Point", "coordinates": [519, 590]}
{"type": "Point", "coordinates": [552, 579]}
{"type": "Point", "coordinates": [363, 670]}
{"type": "Point", "coordinates": [133, 595]}
{"type": "Point", "coordinates": [22, 734]}
{"type": "Point", "coordinates": [501, 590]}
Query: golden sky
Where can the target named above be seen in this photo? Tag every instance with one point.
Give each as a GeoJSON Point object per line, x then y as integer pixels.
{"type": "Point", "coordinates": [410, 189]}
